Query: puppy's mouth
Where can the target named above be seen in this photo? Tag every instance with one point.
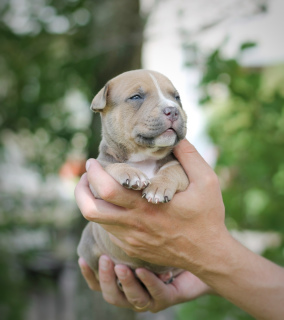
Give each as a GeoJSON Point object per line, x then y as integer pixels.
{"type": "Point", "coordinates": [170, 131]}
{"type": "Point", "coordinates": [166, 139]}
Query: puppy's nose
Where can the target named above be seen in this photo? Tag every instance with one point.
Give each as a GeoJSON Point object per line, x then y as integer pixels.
{"type": "Point", "coordinates": [171, 113]}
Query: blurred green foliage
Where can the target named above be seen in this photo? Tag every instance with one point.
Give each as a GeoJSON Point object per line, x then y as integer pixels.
{"type": "Point", "coordinates": [247, 125]}
{"type": "Point", "coordinates": [245, 106]}
{"type": "Point", "coordinates": [12, 300]}
{"type": "Point", "coordinates": [55, 55]}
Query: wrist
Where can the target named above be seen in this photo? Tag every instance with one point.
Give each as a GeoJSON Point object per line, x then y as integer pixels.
{"type": "Point", "coordinates": [211, 255]}
{"type": "Point", "coordinates": [246, 279]}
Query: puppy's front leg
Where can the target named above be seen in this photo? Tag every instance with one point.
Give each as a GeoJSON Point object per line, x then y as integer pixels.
{"type": "Point", "coordinates": [129, 177]}
{"type": "Point", "coordinates": [170, 179]}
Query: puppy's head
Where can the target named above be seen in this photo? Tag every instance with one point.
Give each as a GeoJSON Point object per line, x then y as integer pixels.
{"type": "Point", "coordinates": [141, 110]}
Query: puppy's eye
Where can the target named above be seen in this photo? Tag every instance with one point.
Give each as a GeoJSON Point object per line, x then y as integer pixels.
{"type": "Point", "coordinates": [136, 97]}
{"type": "Point", "coordinates": [177, 97]}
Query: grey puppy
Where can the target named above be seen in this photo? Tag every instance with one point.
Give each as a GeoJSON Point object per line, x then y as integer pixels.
{"type": "Point", "coordinates": [142, 120]}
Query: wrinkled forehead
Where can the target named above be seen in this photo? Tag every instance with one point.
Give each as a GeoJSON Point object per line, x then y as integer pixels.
{"type": "Point", "coordinates": [140, 80]}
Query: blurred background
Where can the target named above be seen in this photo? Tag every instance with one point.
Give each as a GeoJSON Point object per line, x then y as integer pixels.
{"type": "Point", "coordinates": [226, 58]}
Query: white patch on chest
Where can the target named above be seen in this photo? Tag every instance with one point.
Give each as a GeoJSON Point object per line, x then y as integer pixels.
{"type": "Point", "coordinates": [147, 166]}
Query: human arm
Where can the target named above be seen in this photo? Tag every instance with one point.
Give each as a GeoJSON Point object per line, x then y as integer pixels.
{"type": "Point", "coordinates": [189, 233]}
{"type": "Point", "coordinates": [157, 297]}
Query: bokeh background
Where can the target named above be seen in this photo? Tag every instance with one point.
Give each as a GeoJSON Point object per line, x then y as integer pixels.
{"type": "Point", "coordinates": [227, 60]}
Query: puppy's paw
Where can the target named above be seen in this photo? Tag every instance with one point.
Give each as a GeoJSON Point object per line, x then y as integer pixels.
{"type": "Point", "coordinates": [135, 180]}
{"type": "Point", "coordinates": [127, 176]}
{"type": "Point", "coordinates": [158, 193]}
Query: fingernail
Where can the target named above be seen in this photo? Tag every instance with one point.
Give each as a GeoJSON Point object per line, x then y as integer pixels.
{"type": "Point", "coordinates": [121, 273]}
{"type": "Point", "coordinates": [104, 263]}
{"type": "Point", "coordinates": [87, 165]}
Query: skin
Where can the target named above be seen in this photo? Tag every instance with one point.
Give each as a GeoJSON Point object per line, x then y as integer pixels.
{"type": "Point", "coordinates": [188, 233]}
{"type": "Point", "coordinates": [157, 297]}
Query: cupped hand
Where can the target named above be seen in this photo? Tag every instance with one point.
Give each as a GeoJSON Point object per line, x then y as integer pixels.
{"type": "Point", "coordinates": [156, 297]}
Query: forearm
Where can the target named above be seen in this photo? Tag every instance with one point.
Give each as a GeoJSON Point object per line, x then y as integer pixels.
{"type": "Point", "coordinates": [249, 281]}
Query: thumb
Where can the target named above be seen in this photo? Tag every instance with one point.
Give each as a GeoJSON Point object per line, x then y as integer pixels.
{"type": "Point", "coordinates": [192, 162]}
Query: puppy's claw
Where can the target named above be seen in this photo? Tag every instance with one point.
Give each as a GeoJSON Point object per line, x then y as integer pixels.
{"type": "Point", "coordinates": [136, 185]}
{"type": "Point", "coordinates": [156, 200]}
{"type": "Point", "coordinates": [166, 199]}
{"type": "Point", "coordinates": [146, 183]}
{"type": "Point", "coordinates": [150, 200]}
{"type": "Point", "coordinates": [126, 183]}
{"type": "Point", "coordinates": [143, 195]}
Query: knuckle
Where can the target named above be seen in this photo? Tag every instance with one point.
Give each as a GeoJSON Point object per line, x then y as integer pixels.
{"type": "Point", "coordinates": [133, 246]}
{"type": "Point", "coordinates": [132, 241]}
{"type": "Point", "coordinates": [88, 213]}
{"type": "Point", "coordinates": [211, 180]}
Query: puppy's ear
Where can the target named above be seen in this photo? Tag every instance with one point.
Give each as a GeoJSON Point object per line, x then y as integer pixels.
{"type": "Point", "coordinates": [99, 101]}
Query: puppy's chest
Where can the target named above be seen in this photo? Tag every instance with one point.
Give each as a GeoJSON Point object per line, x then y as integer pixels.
{"type": "Point", "coordinates": [148, 167]}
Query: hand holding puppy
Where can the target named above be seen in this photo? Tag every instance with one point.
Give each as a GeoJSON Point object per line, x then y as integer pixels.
{"type": "Point", "coordinates": [166, 234]}
{"type": "Point", "coordinates": [189, 233]}
{"type": "Point", "coordinates": [157, 297]}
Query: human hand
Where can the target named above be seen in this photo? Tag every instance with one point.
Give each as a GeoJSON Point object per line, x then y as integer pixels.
{"type": "Point", "coordinates": [158, 296]}
{"type": "Point", "coordinates": [181, 233]}
{"type": "Point", "coordinates": [188, 233]}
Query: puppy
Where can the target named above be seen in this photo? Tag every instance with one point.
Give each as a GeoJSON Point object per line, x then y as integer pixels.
{"type": "Point", "coordinates": [142, 120]}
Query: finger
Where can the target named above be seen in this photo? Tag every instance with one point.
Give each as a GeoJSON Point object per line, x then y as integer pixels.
{"type": "Point", "coordinates": [109, 189]}
{"type": "Point", "coordinates": [111, 293]}
{"type": "Point", "coordinates": [132, 288]}
{"type": "Point", "coordinates": [192, 162]}
{"type": "Point", "coordinates": [185, 282]}
{"type": "Point", "coordinates": [157, 289]}
{"type": "Point", "coordinates": [93, 209]}
{"type": "Point", "coordinates": [89, 275]}
{"type": "Point", "coordinates": [189, 286]}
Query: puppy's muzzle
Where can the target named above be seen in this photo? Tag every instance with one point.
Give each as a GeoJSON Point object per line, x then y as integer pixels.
{"type": "Point", "coordinates": [171, 113]}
